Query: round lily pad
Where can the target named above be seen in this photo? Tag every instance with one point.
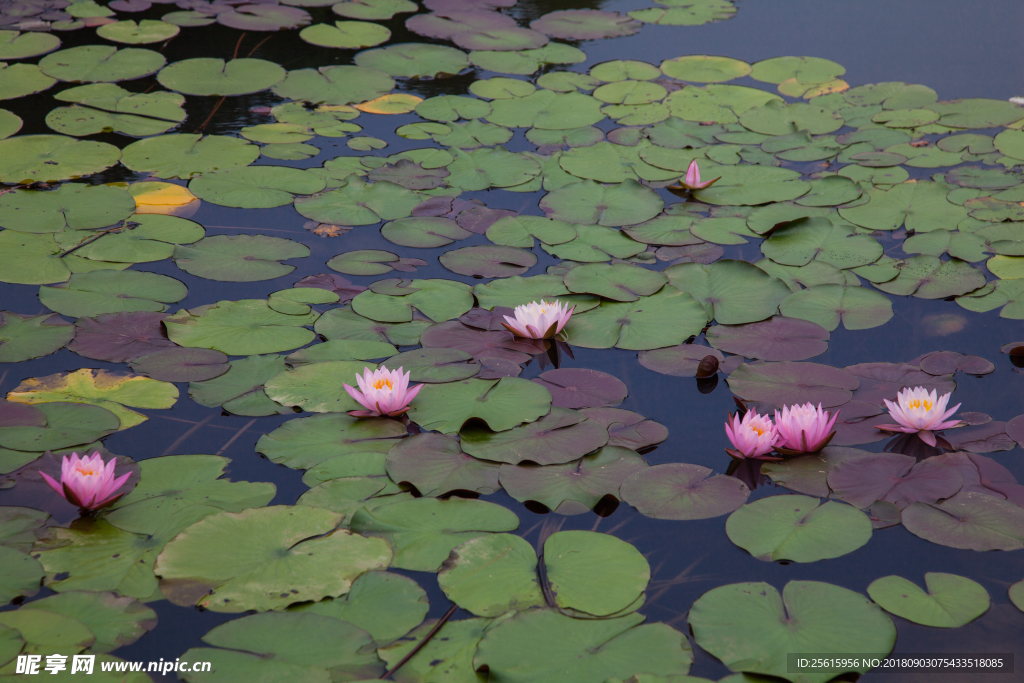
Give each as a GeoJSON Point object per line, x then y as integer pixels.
{"type": "Point", "coordinates": [559, 437]}
{"type": "Point", "coordinates": [101, 64]}
{"type": "Point", "coordinates": [141, 33]}
{"type": "Point", "coordinates": [15, 45]}
{"type": "Point", "coordinates": [239, 258]}
{"type": "Point", "coordinates": [664, 319]}
{"type": "Point", "coordinates": [256, 187]}
{"type": "Point", "coordinates": [492, 574]}
{"type": "Point", "coordinates": [705, 68]}
{"type": "Point", "coordinates": [968, 520]}
{"type": "Point", "coordinates": [414, 60]}
{"type": "Point", "coordinates": [260, 17]}
{"type": "Point", "coordinates": [788, 383]}
{"type": "Point", "coordinates": [186, 155]}
{"type": "Point", "coordinates": [240, 328]}
{"type": "Point", "coordinates": [435, 465]}
{"type": "Point", "coordinates": [209, 76]}
{"type": "Point", "coordinates": [683, 491]}
{"type": "Point", "coordinates": [436, 365]}
{"type": "Point", "coordinates": [778, 338]}
{"type": "Point", "coordinates": [488, 261]}
{"type": "Point", "coordinates": [627, 203]}
{"type": "Point", "coordinates": [112, 291]}
{"type": "Point", "coordinates": [858, 308]}
{"type": "Point", "coordinates": [348, 35]}
{"type": "Point", "coordinates": [49, 158]}
{"type": "Point", "coordinates": [23, 337]}
{"type": "Point", "coordinates": [424, 233]}
{"type": "Point", "coordinates": [345, 324]}
{"type": "Point", "coordinates": [951, 601]}
{"type": "Point", "coordinates": [581, 582]}
{"type": "Point", "coordinates": [335, 85]}
{"type": "Point", "coordinates": [360, 203]}
{"type": "Point", "coordinates": [585, 24]}
{"type": "Point", "coordinates": [808, 70]}
{"type": "Point", "coordinates": [582, 388]}
{"type": "Point", "coordinates": [502, 404]}
{"type": "Point", "coordinates": [619, 282]}
{"type": "Point", "coordinates": [751, 628]}
{"type": "Point", "coordinates": [75, 206]}
{"type": "Point", "coordinates": [732, 292]}
{"type": "Point", "coordinates": [893, 478]}
{"type": "Point", "coordinates": [67, 424]}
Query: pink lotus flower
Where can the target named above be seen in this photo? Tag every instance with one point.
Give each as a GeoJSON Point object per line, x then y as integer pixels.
{"type": "Point", "coordinates": [804, 428]}
{"type": "Point", "coordinates": [919, 411]}
{"type": "Point", "coordinates": [539, 320]}
{"type": "Point", "coordinates": [692, 180]}
{"type": "Point", "coordinates": [754, 436]}
{"type": "Point", "coordinates": [87, 482]}
{"type": "Point", "coordinates": [383, 392]}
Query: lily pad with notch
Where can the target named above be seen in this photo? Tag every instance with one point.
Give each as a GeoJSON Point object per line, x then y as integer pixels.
{"type": "Point", "coordinates": [187, 155]}
{"type": "Point", "coordinates": [559, 437]}
{"type": "Point", "coordinates": [776, 339]}
{"type": "Point", "coordinates": [112, 291]}
{"type": "Point", "coordinates": [789, 383]}
{"type": "Point", "coordinates": [969, 521]}
{"type": "Point", "coordinates": [502, 404]}
{"type": "Point", "coordinates": [665, 319]}
{"type": "Point", "coordinates": [858, 308]}
{"type": "Point", "coordinates": [951, 601]}
{"type": "Point", "coordinates": [587, 202]}
{"type": "Point", "coordinates": [359, 203]}
{"type": "Point", "coordinates": [256, 187]}
{"type": "Point", "coordinates": [436, 365]}
{"type": "Point", "coordinates": [577, 388]}
{"type": "Point", "coordinates": [65, 425]}
{"type": "Point", "coordinates": [732, 292]}
{"type": "Point", "coordinates": [893, 478]}
{"type": "Point", "coordinates": [343, 323]}
{"type": "Point", "coordinates": [239, 258]}
{"type": "Point", "coordinates": [683, 491]}
{"type": "Point", "coordinates": [306, 442]}
{"type": "Point", "coordinates": [240, 328]}
{"type": "Point", "coordinates": [27, 159]}
{"type": "Point", "coordinates": [101, 64]}
{"type": "Point", "coordinates": [23, 337]}
{"type": "Point", "coordinates": [436, 465]}
{"type": "Point", "coordinates": [439, 300]}
{"type": "Point", "coordinates": [334, 85]}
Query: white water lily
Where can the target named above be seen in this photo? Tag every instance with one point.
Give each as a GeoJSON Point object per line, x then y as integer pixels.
{"type": "Point", "coordinates": [539, 320]}
{"type": "Point", "coordinates": [922, 412]}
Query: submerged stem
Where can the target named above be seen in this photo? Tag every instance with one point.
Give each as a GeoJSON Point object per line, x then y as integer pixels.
{"type": "Point", "coordinates": [419, 646]}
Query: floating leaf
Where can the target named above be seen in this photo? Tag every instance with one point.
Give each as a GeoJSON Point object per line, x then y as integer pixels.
{"type": "Point", "coordinates": [926, 277]}
{"type": "Point", "coordinates": [881, 381]}
{"type": "Point", "coordinates": [67, 424]}
{"type": "Point", "coordinates": [239, 258]}
{"type": "Point", "coordinates": [951, 601]}
{"type": "Point", "coordinates": [152, 239]}
{"type": "Point", "coordinates": [187, 155]}
{"type": "Point", "coordinates": [502, 404]}
{"type": "Point", "coordinates": [751, 628]}
{"type": "Point", "coordinates": [679, 361]}
{"type": "Point", "coordinates": [788, 383]}
{"type": "Point", "coordinates": [559, 437]}
{"type": "Point", "coordinates": [488, 261]}
{"type": "Point", "coordinates": [439, 300]}
{"type": "Point", "coordinates": [664, 319]}
{"type": "Point", "coordinates": [341, 323]}
{"type": "Point", "coordinates": [28, 159]}
{"type": "Point", "coordinates": [424, 531]}
{"type": "Point", "coordinates": [112, 291]}
{"type": "Point", "coordinates": [335, 85]}
{"type": "Point", "coordinates": [731, 292]}
{"type": "Point", "coordinates": [705, 68]}
{"type": "Point", "coordinates": [627, 203]}
{"type": "Point", "coordinates": [968, 520]}
{"type": "Point", "coordinates": [919, 206]}
{"type": "Point", "coordinates": [263, 17]}
{"type": "Point", "coordinates": [120, 337]}
{"type": "Point", "coordinates": [143, 32]}
{"type": "Point", "coordinates": [777, 338]}
{"type": "Point", "coordinates": [181, 365]}
{"type": "Point", "coordinates": [576, 487]}
{"type": "Point", "coordinates": [893, 478]}
{"type": "Point", "coordinates": [15, 45]}
{"type": "Point", "coordinates": [347, 35]}
{"type": "Point", "coordinates": [436, 465]}
{"type": "Point", "coordinates": [31, 259]}
{"type": "Point", "coordinates": [101, 63]}
{"type": "Point", "coordinates": [858, 308]}
{"type": "Point", "coordinates": [520, 231]}
{"type": "Point", "coordinates": [595, 243]}
{"type": "Point", "coordinates": [491, 575]}
{"type": "Point", "coordinates": [683, 491]}
{"type": "Point", "coordinates": [240, 328]}
{"type": "Point", "coordinates": [585, 24]}
{"type": "Point", "coordinates": [616, 282]}
{"type": "Point", "coordinates": [481, 344]}
{"type": "Point", "coordinates": [436, 365]}
{"type": "Point", "coordinates": [798, 242]}
{"type": "Point", "coordinates": [359, 203]}
{"type": "Point", "coordinates": [582, 388]}
{"type": "Point", "coordinates": [22, 575]}
{"type": "Point", "coordinates": [414, 60]}
{"type": "Point", "coordinates": [423, 233]}
{"type": "Point", "coordinates": [73, 206]}
{"type": "Point", "coordinates": [23, 337]}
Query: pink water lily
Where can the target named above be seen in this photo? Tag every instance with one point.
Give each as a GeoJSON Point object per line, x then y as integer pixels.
{"type": "Point", "coordinates": [753, 436]}
{"type": "Point", "coordinates": [804, 428]}
{"type": "Point", "coordinates": [692, 180]}
{"type": "Point", "coordinates": [922, 412]}
{"type": "Point", "coordinates": [382, 392]}
{"type": "Point", "coordinates": [87, 482]}
{"type": "Point", "coordinates": [539, 320]}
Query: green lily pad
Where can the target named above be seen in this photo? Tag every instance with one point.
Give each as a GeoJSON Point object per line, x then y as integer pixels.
{"type": "Point", "coordinates": [1016, 593]}
{"type": "Point", "coordinates": [22, 575]}
{"type": "Point", "coordinates": [73, 206]}
{"type": "Point", "coordinates": [748, 185]}
{"type": "Point", "coordinates": [424, 531]}
{"type": "Point", "coordinates": [240, 328]}
{"type": "Point", "coordinates": [187, 155]}
{"type": "Point", "coordinates": [141, 33]}
{"type": "Point", "coordinates": [491, 575]}
{"type": "Point", "coordinates": [108, 107]}
{"type": "Point", "coordinates": [346, 35]}
{"type": "Point", "coordinates": [951, 601]}
{"type": "Point", "coordinates": [1011, 143]}
{"type": "Point", "coordinates": [101, 64]}
{"type": "Point", "coordinates": [488, 261]}
{"type": "Point", "coordinates": [481, 169]}
{"type": "Point", "coordinates": [360, 203]}
{"type": "Point", "coordinates": [341, 349]}
{"type": "Point", "coordinates": [751, 628]}
{"type": "Point", "coordinates": [18, 80]}
{"type": "Point", "coordinates": [619, 282]}
{"type": "Point", "coordinates": [436, 465]}
{"type": "Point", "coordinates": [31, 259]}
{"type": "Point", "coordinates": [238, 258]}
{"type": "Point", "coordinates": [593, 650]}
{"type": "Point", "coordinates": [23, 337]}
{"type": "Point", "coordinates": [595, 243]}
{"type": "Point", "coordinates": [520, 231]}
{"type": "Point", "coordinates": [240, 390]}
{"type": "Point", "coordinates": [288, 555]}
{"type": "Point", "coordinates": [385, 605]}
{"type": "Point", "coordinates": [112, 291]}
{"type": "Point", "coordinates": [335, 85]}
{"type": "Point", "coordinates": [15, 45]}
{"type": "Point", "coordinates": [920, 206]}
{"type": "Point", "coordinates": [665, 319]}
{"type": "Point", "coordinates": [926, 277]}
{"type": "Point", "coordinates": [295, 645]}
{"type": "Point", "coordinates": [526, 62]}
{"type": "Point", "coordinates": [798, 529]}
{"type": "Point", "coordinates": [153, 239]}
{"type": "Point", "coordinates": [968, 520]}
{"type": "Point", "coordinates": [9, 124]}
{"type": "Point", "coordinates": [576, 487]}
{"type": "Point", "coordinates": [339, 323]}
{"type": "Point", "coordinates": [114, 620]}
{"type": "Point", "coordinates": [517, 291]}
{"type": "Point", "coordinates": [559, 437]}
{"type": "Point", "coordinates": [209, 76]}
{"type": "Point", "coordinates": [789, 383]}
{"type": "Point", "coordinates": [1005, 295]}
{"type": "Point", "coordinates": [976, 113]}
{"type": "Point", "coordinates": [502, 404]}
{"type": "Point", "coordinates": [414, 60]}
{"type": "Point", "coordinates": [858, 308]}
{"type": "Point", "coordinates": [424, 232]}
{"type": "Point", "coordinates": [436, 365]}
{"type": "Point", "coordinates": [587, 202]}
{"type": "Point", "coordinates": [448, 657]}
{"type": "Point", "coordinates": [705, 68]}
{"type": "Point", "coordinates": [42, 631]}
{"type": "Point", "coordinates": [439, 300]}
{"type": "Point", "coordinates": [800, 241]}
{"type": "Point", "coordinates": [804, 69]}
{"type": "Point", "coordinates": [28, 159]}
{"type": "Point", "coordinates": [314, 387]}
{"type": "Point", "coordinates": [67, 424]}
{"type": "Point", "coordinates": [732, 292]}
{"type": "Point", "coordinates": [255, 187]}
{"type": "Point", "coordinates": [683, 491]}
{"type": "Point", "coordinates": [306, 442]}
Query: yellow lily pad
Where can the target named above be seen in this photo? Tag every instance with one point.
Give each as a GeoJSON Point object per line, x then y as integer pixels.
{"type": "Point", "coordinates": [392, 103]}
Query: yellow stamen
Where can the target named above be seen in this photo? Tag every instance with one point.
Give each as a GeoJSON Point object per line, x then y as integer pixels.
{"type": "Point", "coordinates": [917, 403]}
{"type": "Point", "coordinates": [379, 384]}
{"type": "Point", "coordinates": [86, 472]}
{"type": "Point", "coordinates": [760, 432]}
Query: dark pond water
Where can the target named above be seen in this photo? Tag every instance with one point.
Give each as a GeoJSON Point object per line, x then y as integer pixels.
{"type": "Point", "coordinates": [959, 49]}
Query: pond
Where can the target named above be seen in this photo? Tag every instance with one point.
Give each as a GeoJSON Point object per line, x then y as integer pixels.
{"type": "Point", "coordinates": [216, 215]}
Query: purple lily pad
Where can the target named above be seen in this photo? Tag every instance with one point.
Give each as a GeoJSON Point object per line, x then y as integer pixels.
{"type": "Point", "coordinates": [182, 364]}
{"type": "Point", "coordinates": [496, 368]}
{"type": "Point", "coordinates": [410, 175]}
{"type": "Point", "coordinates": [585, 24]}
{"type": "Point", "coordinates": [264, 17]}
{"type": "Point", "coordinates": [984, 438]}
{"type": "Point", "coordinates": [692, 253]}
{"type": "Point", "coordinates": [972, 418]}
{"type": "Point", "coordinates": [334, 283]}
{"type": "Point", "coordinates": [778, 338]}
{"type": "Point", "coordinates": [435, 465]}
{"type": "Point", "coordinates": [855, 425]}
{"type": "Point", "coordinates": [13, 414]}
{"type": "Point", "coordinates": [984, 475]}
{"type": "Point", "coordinates": [447, 25]}
{"type": "Point", "coordinates": [788, 383]}
{"type": "Point", "coordinates": [478, 343]}
{"type": "Point", "coordinates": [488, 261]}
{"type": "Point", "coordinates": [894, 478]}
{"type": "Point", "coordinates": [582, 388]}
{"type": "Point", "coordinates": [120, 337]}
{"type": "Point", "coordinates": [559, 437]}
{"type": "Point", "coordinates": [628, 429]}
{"type": "Point", "coordinates": [948, 362]}
{"type": "Point", "coordinates": [808, 474]}
{"type": "Point", "coordinates": [482, 319]}
{"type": "Point", "coordinates": [505, 39]}
{"type": "Point", "coordinates": [477, 219]}
{"type": "Point", "coordinates": [678, 361]}
{"type": "Point", "coordinates": [445, 6]}
{"type": "Point", "coordinates": [683, 491]}
{"type": "Point", "coordinates": [576, 487]}
{"type": "Point", "coordinates": [1015, 429]}
{"type": "Point", "coordinates": [884, 515]}
{"type": "Point", "coordinates": [130, 5]}
{"type": "Point", "coordinates": [880, 381]}
{"type": "Point", "coordinates": [436, 365]}
{"type": "Point", "coordinates": [970, 521]}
